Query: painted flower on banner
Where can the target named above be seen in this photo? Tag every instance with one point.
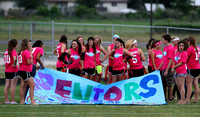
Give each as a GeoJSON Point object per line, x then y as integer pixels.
{"type": "Point", "coordinates": [117, 55]}
{"type": "Point", "coordinates": [90, 54]}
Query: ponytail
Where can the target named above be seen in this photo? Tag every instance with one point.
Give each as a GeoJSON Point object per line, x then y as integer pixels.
{"type": "Point", "coordinates": [192, 41]}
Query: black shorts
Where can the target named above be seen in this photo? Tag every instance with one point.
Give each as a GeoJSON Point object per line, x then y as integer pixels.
{"type": "Point", "coordinates": [136, 72]}
{"type": "Point", "coordinates": [110, 69]}
{"type": "Point", "coordinates": [75, 72]}
{"type": "Point", "coordinates": [117, 72]}
{"type": "Point", "coordinates": [60, 68]}
{"type": "Point", "coordinates": [194, 73]}
{"type": "Point", "coordinates": [90, 71]}
{"type": "Point", "coordinates": [150, 69]}
{"type": "Point", "coordinates": [11, 75]}
{"type": "Point", "coordinates": [25, 75]}
{"type": "Point", "coordinates": [169, 79]}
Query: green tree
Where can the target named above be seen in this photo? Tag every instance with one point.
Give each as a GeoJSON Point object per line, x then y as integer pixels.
{"type": "Point", "coordinates": [87, 3]}
{"type": "Point", "coordinates": [182, 5]}
{"type": "Point", "coordinates": [30, 4]}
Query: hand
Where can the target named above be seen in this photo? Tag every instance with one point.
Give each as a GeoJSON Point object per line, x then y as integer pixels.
{"type": "Point", "coordinates": [42, 67]}
{"type": "Point", "coordinates": [69, 62]}
{"type": "Point", "coordinates": [166, 72]}
{"type": "Point", "coordinates": [173, 70]}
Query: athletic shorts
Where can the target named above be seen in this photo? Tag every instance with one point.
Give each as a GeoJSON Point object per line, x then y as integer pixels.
{"type": "Point", "coordinates": [60, 68]}
{"type": "Point", "coordinates": [90, 71]}
{"type": "Point", "coordinates": [117, 72]}
{"type": "Point", "coordinates": [110, 69]}
{"type": "Point", "coordinates": [169, 79]}
{"type": "Point", "coordinates": [11, 75]}
{"type": "Point", "coordinates": [25, 75]}
{"type": "Point", "coordinates": [194, 73]}
{"type": "Point", "coordinates": [136, 72]}
{"type": "Point", "coordinates": [75, 72]}
{"type": "Point", "coordinates": [180, 75]}
{"type": "Point", "coordinates": [150, 69]}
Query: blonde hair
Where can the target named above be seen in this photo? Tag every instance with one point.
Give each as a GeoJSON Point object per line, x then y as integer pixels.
{"type": "Point", "coordinates": [129, 43]}
{"type": "Point", "coordinates": [174, 37]}
{"type": "Point", "coordinates": [98, 39]}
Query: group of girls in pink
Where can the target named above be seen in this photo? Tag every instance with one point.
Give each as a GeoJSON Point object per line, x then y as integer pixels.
{"type": "Point", "coordinates": [27, 58]}
{"type": "Point", "coordinates": [182, 61]}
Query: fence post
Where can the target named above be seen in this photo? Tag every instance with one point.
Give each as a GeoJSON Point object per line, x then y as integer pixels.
{"type": "Point", "coordinates": [9, 29]}
{"type": "Point", "coordinates": [31, 31]}
{"type": "Point", "coordinates": [112, 32]}
{"type": "Point", "coordinates": [167, 30]}
{"type": "Point", "coordinates": [52, 38]}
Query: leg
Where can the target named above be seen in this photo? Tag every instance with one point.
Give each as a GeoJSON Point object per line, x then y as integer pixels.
{"type": "Point", "coordinates": [13, 87]}
{"type": "Point", "coordinates": [170, 92]}
{"type": "Point", "coordinates": [180, 81]}
{"type": "Point", "coordinates": [6, 88]}
{"type": "Point", "coordinates": [120, 77]}
{"type": "Point", "coordinates": [91, 77]}
{"type": "Point", "coordinates": [31, 84]}
{"type": "Point", "coordinates": [189, 81]}
{"type": "Point", "coordinates": [109, 78]}
{"type": "Point", "coordinates": [22, 91]}
{"type": "Point", "coordinates": [196, 89]}
{"type": "Point", "coordinates": [114, 78]}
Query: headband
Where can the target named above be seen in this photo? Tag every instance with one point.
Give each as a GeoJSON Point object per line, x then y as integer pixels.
{"type": "Point", "coordinates": [115, 36]}
{"type": "Point", "coordinates": [158, 43]}
{"type": "Point", "coordinates": [135, 41]}
{"type": "Point", "coordinates": [176, 39]}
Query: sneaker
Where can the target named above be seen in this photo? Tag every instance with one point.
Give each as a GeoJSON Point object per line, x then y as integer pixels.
{"type": "Point", "coordinates": [6, 102]}
{"type": "Point", "coordinates": [13, 102]}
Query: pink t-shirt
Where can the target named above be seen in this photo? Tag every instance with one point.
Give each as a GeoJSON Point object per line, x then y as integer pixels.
{"type": "Point", "coordinates": [158, 58]}
{"type": "Point", "coordinates": [8, 60]}
{"type": "Point", "coordinates": [135, 62]}
{"type": "Point", "coordinates": [118, 58]}
{"type": "Point", "coordinates": [35, 52]}
{"type": "Point", "coordinates": [149, 58]}
{"type": "Point", "coordinates": [75, 57]}
{"type": "Point", "coordinates": [58, 51]}
{"type": "Point", "coordinates": [22, 58]}
{"type": "Point", "coordinates": [98, 51]}
{"type": "Point", "coordinates": [175, 48]}
{"type": "Point", "coordinates": [193, 58]}
{"type": "Point", "coordinates": [180, 57]}
{"type": "Point", "coordinates": [168, 53]}
{"type": "Point", "coordinates": [111, 61]}
{"type": "Point", "coordinates": [89, 59]}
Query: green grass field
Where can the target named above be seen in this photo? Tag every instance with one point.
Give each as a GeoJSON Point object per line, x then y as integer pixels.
{"type": "Point", "coordinates": [169, 110]}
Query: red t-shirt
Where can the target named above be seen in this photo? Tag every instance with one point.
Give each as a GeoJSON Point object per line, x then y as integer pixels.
{"type": "Point", "coordinates": [22, 58]}
{"type": "Point", "coordinates": [193, 58]}
{"type": "Point", "coordinates": [135, 62]}
{"type": "Point", "coordinates": [35, 52]}
{"type": "Point", "coordinates": [180, 57]}
{"type": "Point", "coordinates": [168, 53]}
{"type": "Point", "coordinates": [8, 60]}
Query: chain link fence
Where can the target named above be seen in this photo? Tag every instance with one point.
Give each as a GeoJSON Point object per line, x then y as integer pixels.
{"type": "Point", "coordinates": [50, 32]}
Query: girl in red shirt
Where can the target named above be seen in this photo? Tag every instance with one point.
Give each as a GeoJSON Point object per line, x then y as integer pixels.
{"type": "Point", "coordinates": [11, 70]}
{"type": "Point", "coordinates": [25, 69]}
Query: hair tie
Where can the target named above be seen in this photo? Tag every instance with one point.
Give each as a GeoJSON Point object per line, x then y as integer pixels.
{"type": "Point", "coordinates": [135, 41]}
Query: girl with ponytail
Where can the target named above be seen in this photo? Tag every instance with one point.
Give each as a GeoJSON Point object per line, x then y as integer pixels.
{"type": "Point", "coordinates": [11, 70]}
{"type": "Point", "coordinates": [136, 66]}
{"type": "Point", "coordinates": [193, 69]}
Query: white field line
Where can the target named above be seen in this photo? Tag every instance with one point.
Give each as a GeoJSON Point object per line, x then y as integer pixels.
{"type": "Point", "coordinates": [102, 106]}
{"type": "Point", "coordinates": [94, 113]}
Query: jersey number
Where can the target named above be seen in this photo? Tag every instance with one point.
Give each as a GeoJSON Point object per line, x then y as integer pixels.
{"type": "Point", "coordinates": [6, 59]}
{"type": "Point", "coordinates": [134, 60]}
{"type": "Point", "coordinates": [20, 58]}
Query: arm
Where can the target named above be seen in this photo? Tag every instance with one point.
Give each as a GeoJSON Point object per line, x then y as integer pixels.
{"type": "Point", "coordinates": [29, 61]}
{"type": "Point", "coordinates": [160, 66]}
{"type": "Point", "coordinates": [177, 65]}
{"type": "Point", "coordinates": [63, 47]}
{"type": "Point", "coordinates": [168, 66]}
{"type": "Point", "coordinates": [127, 53]}
{"type": "Point", "coordinates": [153, 60]}
{"type": "Point", "coordinates": [141, 54]}
{"type": "Point", "coordinates": [55, 52]}
{"type": "Point", "coordinates": [109, 52]}
{"type": "Point", "coordinates": [15, 61]}
{"type": "Point", "coordinates": [104, 52]}
{"type": "Point", "coordinates": [82, 57]}
{"type": "Point", "coordinates": [39, 60]}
